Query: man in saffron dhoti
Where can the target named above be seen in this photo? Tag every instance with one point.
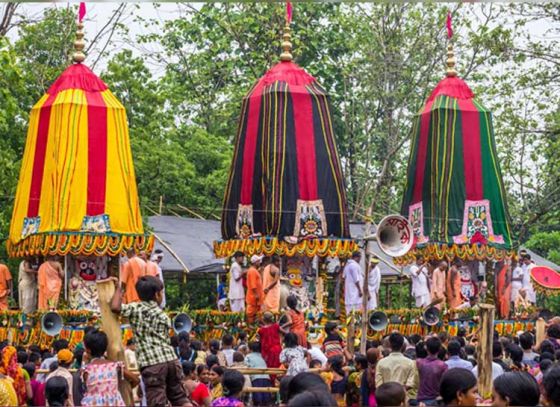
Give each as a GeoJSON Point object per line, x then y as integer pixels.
{"type": "Point", "coordinates": [49, 278]}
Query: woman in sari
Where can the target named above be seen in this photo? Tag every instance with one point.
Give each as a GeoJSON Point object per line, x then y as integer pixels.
{"type": "Point", "coordinates": [9, 367]}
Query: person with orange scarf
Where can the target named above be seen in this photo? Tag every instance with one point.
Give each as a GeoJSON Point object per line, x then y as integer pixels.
{"type": "Point", "coordinates": [49, 279]}
{"type": "Point", "coordinates": [10, 368]}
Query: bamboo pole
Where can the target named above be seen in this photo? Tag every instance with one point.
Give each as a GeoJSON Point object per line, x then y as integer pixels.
{"type": "Point", "coordinates": [172, 252]}
{"type": "Point", "coordinates": [484, 352]}
{"type": "Point", "coordinates": [365, 285]}
{"type": "Point", "coordinates": [195, 214]}
{"type": "Point", "coordinates": [540, 332]}
{"type": "Point", "coordinates": [261, 390]}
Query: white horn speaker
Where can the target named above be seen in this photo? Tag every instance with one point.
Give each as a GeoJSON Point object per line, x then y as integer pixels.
{"type": "Point", "coordinates": [395, 235]}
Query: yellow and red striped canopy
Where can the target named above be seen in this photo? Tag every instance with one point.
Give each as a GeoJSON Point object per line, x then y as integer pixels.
{"type": "Point", "coordinates": [77, 189]}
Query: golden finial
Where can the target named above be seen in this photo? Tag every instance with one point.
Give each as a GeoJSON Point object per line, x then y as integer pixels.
{"type": "Point", "coordinates": [79, 44]}
{"type": "Point", "coordinates": [451, 61]}
{"type": "Point", "coordinates": [286, 54]}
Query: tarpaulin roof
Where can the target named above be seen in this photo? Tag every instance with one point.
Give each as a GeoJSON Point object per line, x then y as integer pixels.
{"type": "Point", "coordinates": [191, 240]}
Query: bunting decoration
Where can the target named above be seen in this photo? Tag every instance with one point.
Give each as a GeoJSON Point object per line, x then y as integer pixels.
{"type": "Point", "coordinates": [285, 193]}
{"type": "Point", "coordinates": [454, 196]}
{"type": "Point", "coordinates": [77, 189]}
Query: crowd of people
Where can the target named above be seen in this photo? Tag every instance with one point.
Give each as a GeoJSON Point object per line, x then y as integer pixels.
{"type": "Point", "coordinates": [182, 371]}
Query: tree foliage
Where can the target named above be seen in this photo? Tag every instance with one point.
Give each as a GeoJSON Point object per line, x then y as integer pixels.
{"type": "Point", "coordinates": [182, 80]}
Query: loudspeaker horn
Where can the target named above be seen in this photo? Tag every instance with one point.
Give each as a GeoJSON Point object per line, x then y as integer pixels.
{"type": "Point", "coordinates": [51, 323]}
{"type": "Point", "coordinates": [378, 321]}
{"type": "Point", "coordinates": [395, 235]}
{"type": "Point", "coordinates": [431, 316]}
{"type": "Point", "coordinates": [182, 323]}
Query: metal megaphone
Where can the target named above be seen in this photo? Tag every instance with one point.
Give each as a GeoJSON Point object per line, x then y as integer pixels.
{"type": "Point", "coordinates": [51, 323]}
{"type": "Point", "coordinates": [378, 321]}
{"type": "Point", "coordinates": [431, 316]}
{"type": "Point", "coordinates": [395, 235]}
{"type": "Point", "coordinates": [182, 323]}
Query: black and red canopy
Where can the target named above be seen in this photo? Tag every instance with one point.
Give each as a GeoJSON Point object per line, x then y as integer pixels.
{"type": "Point", "coordinates": [286, 192]}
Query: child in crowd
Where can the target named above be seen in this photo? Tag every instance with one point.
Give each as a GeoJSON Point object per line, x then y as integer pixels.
{"type": "Point", "coordinates": [232, 385]}
{"type": "Point", "coordinates": [197, 390]}
{"type": "Point", "coordinates": [241, 339]}
{"type": "Point", "coordinates": [239, 362]}
{"type": "Point", "coordinates": [200, 357]}
{"type": "Point", "coordinates": [269, 335]}
{"type": "Point", "coordinates": [255, 360]}
{"type": "Point", "coordinates": [390, 394]}
{"type": "Point", "coordinates": [227, 348]}
{"type": "Point", "coordinates": [338, 379]}
{"type": "Point", "coordinates": [57, 392]}
{"type": "Point", "coordinates": [214, 349]}
{"type": "Point", "coordinates": [296, 320]}
{"type": "Point", "coordinates": [222, 295]}
{"type": "Point", "coordinates": [333, 345]}
{"type": "Point", "coordinates": [101, 377]}
{"type": "Point", "coordinates": [293, 356]}
{"type": "Point", "coordinates": [160, 367]}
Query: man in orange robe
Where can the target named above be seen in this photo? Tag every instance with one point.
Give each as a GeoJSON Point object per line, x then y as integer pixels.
{"type": "Point", "coordinates": [255, 295]}
{"type": "Point", "coordinates": [131, 272]}
{"type": "Point", "coordinates": [5, 286]}
{"type": "Point", "coordinates": [49, 279]}
{"type": "Point", "coordinates": [271, 285]}
{"type": "Point", "coordinates": [454, 297]}
{"type": "Point", "coordinates": [438, 283]}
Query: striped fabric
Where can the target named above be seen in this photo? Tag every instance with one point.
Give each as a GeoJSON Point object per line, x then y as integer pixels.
{"type": "Point", "coordinates": [284, 153]}
{"type": "Point", "coordinates": [77, 176]}
{"type": "Point", "coordinates": [455, 196]}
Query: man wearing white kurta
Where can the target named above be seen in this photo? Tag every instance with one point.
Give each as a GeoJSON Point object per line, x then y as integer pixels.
{"type": "Point", "coordinates": [374, 282]}
{"type": "Point", "coordinates": [516, 279]}
{"type": "Point", "coordinates": [352, 275]}
{"type": "Point", "coordinates": [527, 284]}
{"type": "Point", "coordinates": [236, 293]}
{"type": "Point", "coordinates": [420, 289]}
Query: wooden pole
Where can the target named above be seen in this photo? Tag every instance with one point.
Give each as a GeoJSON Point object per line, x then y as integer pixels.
{"type": "Point", "coordinates": [112, 327]}
{"type": "Point", "coordinates": [160, 204]}
{"type": "Point", "coordinates": [540, 332]}
{"type": "Point", "coordinates": [365, 286]}
{"type": "Point", "coordinates": [484, 352]}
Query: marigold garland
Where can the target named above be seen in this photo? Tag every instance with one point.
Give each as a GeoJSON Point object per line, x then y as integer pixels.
{"type": "Point", "coordinates": [272, 245]}
{"type": "Point", "coordinates": [79, 244]}
{"type": "Point", "coordinates": [434, 251]}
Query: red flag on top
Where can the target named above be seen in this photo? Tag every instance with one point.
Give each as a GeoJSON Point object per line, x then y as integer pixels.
{"type": "Point", "coordinates": [289, 12]}
{"type": "Point", "coordinates": [81, 11]}
{"type": "Point", "coordinates": [449, 27]}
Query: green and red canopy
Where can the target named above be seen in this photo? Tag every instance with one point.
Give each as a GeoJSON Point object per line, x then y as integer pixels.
{"type": "Point", "coordinates": [454, 196]}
